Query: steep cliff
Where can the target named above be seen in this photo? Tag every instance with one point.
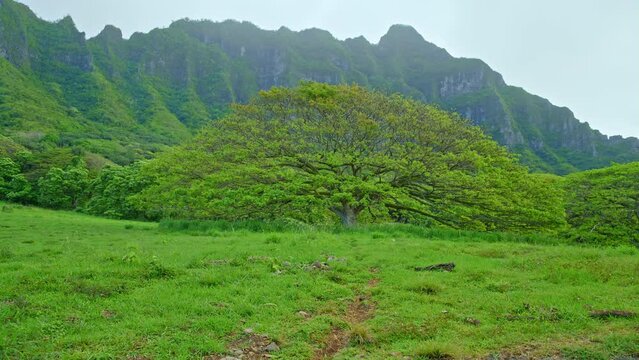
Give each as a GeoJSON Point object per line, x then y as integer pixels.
{"type": "Point", "coordinates": [126, 98]}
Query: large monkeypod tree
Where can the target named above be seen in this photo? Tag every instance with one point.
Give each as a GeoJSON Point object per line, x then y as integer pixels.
{"type": "Point", "coordinates": [322, 153]}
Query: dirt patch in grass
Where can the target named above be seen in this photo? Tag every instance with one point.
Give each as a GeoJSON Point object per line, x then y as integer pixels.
{"type": "Point", "coordinates": [534, 351]}
{"type": "Point", "coordinates": [360, 309]}
{"type": "Point", "coordinates": [108, 314]}
{"type": "Point", "coordinates": [250, 346]}
{"type": "Point", "coordinates": [564, 348]}
{"type": "Point", "coordinates": [334, 342]}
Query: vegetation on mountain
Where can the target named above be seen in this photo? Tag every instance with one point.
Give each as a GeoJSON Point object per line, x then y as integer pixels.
{"type": "Point", "coordinates": [324, 154]}
{"type": "Point", "coordinates": [126, 99]}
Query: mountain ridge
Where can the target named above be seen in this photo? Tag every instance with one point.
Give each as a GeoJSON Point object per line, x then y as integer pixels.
{"type": "Point", "coordinates": [112, 96]}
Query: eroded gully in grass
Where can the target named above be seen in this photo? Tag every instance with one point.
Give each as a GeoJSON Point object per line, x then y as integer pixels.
{"type": "Point", "coordinates": [360, 309]}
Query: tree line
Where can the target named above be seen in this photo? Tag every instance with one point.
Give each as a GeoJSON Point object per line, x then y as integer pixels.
{"type": "Point", "coordinates": [326, 154]}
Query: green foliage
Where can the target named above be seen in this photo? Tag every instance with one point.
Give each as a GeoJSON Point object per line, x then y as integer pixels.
{"type": "Point", "coordinates": [110, 100]}
{"type": "Point", "coordinates": [111, 191]}
{"type": "Point", "coordinates": [8, 147]}
{"type": "Point", "coordinates": [155, 270]}
{"type": "Point", "coordinates": [375, 231]}
{"type": "Point", "coordinates": [207, 227]}
{"type": "Point", "coordinates": [53, 95]}
{"type": "Point", "coordinates": [434, 351]}
{"type": "Point", "coordinates": [63, 188]}
{"type": "Point", "coordinates": [126, 99]}
{"type": "Point", "coordinates": [320, 152]}
{"type": "Point", "coordinates": [602, 206]}
{"type": "Point", "coordinates": [13, 185]}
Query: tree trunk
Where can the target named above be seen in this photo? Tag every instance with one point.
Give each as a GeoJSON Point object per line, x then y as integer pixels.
{"type": "Point", "coordinates": [347, 214]}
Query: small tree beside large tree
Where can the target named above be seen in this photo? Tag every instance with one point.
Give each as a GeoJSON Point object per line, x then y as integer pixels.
{"type": "Point", "coordinates": [320, 152]}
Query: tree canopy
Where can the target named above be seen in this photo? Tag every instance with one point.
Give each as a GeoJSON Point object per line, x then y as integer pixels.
{"type": "Point", "coordinates": [602, 206]}
{"type": "Point", "coordinates": [13, 185]}
{"type": "Point", "coordinates": [321, 153]}
{"type": "Point", "coordinates": [63, 188]}
{"type": "Point", "coordinates": [111, 191]}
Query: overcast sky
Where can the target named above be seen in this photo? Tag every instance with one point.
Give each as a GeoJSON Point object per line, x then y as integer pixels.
{"type": "Point", "coordinates": [583, 54]}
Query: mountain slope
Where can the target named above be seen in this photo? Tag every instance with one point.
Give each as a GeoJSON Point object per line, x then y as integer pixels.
{"type": "Point", "coordinates": [125, 99]}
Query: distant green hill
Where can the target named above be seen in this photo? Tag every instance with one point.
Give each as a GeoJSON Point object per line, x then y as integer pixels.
{"type": "Point", "coordinates": [126, 99]}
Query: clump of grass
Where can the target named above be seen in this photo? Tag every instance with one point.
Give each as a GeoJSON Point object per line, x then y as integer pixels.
{"type": "Point", "coordinates": [475, 276]}
{"type": "Point", "coordinates": [19, 302]}
{"type": "Point", "coordinates": [425, 287]}
{"type": "Point", "coordinates": [155, 270]}
{"type": "Point", "coordinates": [528, 312]}
{"type": "Point", "coordinates": [500, 287]}
{"type": "Point", "coordinates": [128, 226]}
{"type": "Point", "coordinates": [210, 281]}
{"type": "Point", "coordinates": [581, 354]}
{"type": "Point", "coordinates": [336, 278]}
{"type": "Point", "coordinates": [239, 261]}
{"type": "Point", "coordinates": [14, 309]}
{"type": "Point", "coordinates": [492, 253]}
{"type": "Point", "coordinates": [360, 334]}
{"type": "Point", "coordinates": [97, 290]}
{"type": "Point", "coordinates": [206, 263]}
{"type": "Point", "coordinates": [394, 331]}
{"type": "Point", "coordinates": [130, 257]}
{"type": "Point", "coordinates": [6, 254]}
{"type": "Point", "coordinates": [434, 351]}
{"type": "Point", "coordinates": [273, 239]}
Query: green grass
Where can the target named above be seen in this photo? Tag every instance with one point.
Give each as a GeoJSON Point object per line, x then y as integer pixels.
{"type": "Point", "coordinates": [75, 286]}
{"type": "Point", "coordinates": [209, 227]}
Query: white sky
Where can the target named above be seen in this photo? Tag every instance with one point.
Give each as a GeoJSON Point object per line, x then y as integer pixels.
{"type": "Point", "coordinates": [583, 54]}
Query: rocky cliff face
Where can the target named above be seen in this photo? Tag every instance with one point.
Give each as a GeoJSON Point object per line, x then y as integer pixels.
{"type": "Point", "coordinates": [170, 81]}
{"type": "Point", "coordinates": [29, 42]}
{"type": "Point", "coordinates": [460, 84]}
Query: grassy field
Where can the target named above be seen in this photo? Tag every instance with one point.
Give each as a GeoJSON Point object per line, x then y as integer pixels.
{"type": "Point", "coordinates": [74, 286]}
